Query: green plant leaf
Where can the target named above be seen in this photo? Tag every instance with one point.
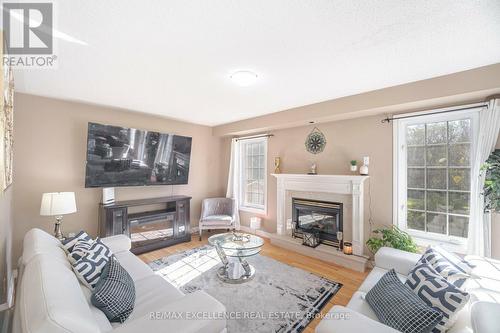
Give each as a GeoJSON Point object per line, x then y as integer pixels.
{"type": "Point", "coordinates": [391, 237]}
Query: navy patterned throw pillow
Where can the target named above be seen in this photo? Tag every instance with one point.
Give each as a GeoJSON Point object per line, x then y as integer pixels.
{"type": "Point", "coordinates": [79, 250]}
{"type": "Point", "coordinates": [400, 308]}
{"type": "Point", "coordinates": [69, 243]}
{"type": "Point", "coordinates": [438, 293]}
{"type": "Point", "coordinates": [448, 265]}
{"type": "Point", "coordinates": [114, 294]}
{"type": "Point", "coordinates": [88, 269]}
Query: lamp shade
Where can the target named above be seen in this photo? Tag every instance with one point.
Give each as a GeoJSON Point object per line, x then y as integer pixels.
{"type": "Point", "coordinates": [58, 203]}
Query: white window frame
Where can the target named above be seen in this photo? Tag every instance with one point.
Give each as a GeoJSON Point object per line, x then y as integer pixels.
{"type": "Point", "coordinates": [422, 238]}
{"type": "Point", "coordinates": [256, 209]}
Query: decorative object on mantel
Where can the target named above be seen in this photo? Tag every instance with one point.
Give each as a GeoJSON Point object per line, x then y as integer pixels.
{"type": "Point", "coordinates": [492, 182]}
{"type": "Point", "coordinates": [315, 141]}
{"type": "Point", "coordinates": [255, 223]}
{"type": "Point", "coordinates": [58, 204]}
{"type": "Point", "coordinates": [354, 165]}
{"type": "Point", "coordinates": [312, 169]}
{"type": "Point", "coordinates": [347, 248]}
{"type": "Point", "coordinates": [310, 239]}
{"type": "Point", "coordinates": [340, 237]}
{"type": "Point", "coordinates": [277, 164]}
{"type": "Point", "coordinates": [391, 237]}
{"type": "Point", "coordinates": [363, 170]}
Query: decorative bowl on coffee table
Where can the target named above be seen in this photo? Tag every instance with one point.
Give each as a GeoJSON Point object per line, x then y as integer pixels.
{"type": "Point", "coordinates": [238, 246]}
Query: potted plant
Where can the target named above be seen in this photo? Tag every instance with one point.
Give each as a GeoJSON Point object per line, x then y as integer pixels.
{"type": "Point", "coordinates": [491, 189]}
{"type": "Point", "coordinates": [391, 237]}
{"type": "Point", "coordinates": [354, 165]}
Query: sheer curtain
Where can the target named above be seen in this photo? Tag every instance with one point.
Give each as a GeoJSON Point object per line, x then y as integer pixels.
{"type": "Point", "coordinates": [480, 223]}
{"type": "Point", "coordinates": [233, 181]}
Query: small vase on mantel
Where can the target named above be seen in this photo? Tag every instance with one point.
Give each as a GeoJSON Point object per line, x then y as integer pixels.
{"type": "Point", "coordinates": [363, 171]}
{"type": "Point", "coordinates": [354, 165]}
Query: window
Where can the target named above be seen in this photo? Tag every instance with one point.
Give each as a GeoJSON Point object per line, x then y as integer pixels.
{"type": "Point", "coordinates": [253, 175]}
{"type": "Point", "coordinates": [433, 176]}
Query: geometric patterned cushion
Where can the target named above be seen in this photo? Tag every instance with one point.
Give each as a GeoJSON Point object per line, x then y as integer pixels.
{"type": "Point", "coordinates": [68, 243]}
{"type": "Point", "coordinates": [79, 250]}
{"type": "Point", "coordinates": [89, 267]}
{"type": "Point", "coordinates": [438, 293]}
{"type": "Point", "coordinates": [448, 265]}
{"type": "Point", "coordinates": [114, 294]}
{"type": "Point", "coordinates": [398, 307]}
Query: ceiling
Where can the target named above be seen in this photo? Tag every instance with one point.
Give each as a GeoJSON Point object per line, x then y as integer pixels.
{"type": "Point", "coordinates": [174, 58]}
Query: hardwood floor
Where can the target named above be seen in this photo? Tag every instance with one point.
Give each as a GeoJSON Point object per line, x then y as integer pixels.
{"type": "Point", "coordinates": [350, 279]}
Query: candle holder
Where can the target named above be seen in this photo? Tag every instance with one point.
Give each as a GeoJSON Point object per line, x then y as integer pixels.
{"type": "Point", "coordinates": [347, 248]}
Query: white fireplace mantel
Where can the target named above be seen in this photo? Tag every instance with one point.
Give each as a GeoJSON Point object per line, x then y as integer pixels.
{"type": "Point", "coordinates": [340, 184]}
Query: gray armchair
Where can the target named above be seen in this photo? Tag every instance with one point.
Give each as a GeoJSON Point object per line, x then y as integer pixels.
{"type": "Point", "coordinates": [217, 213]}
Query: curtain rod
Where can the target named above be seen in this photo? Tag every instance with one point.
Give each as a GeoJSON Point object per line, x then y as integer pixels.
{"type": "Point", "coordinates": [254, 137]}
{"type": "Point", "coordinates": [388, 120]}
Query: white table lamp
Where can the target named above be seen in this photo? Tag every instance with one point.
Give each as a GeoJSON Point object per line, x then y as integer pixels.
{"type": "Point", "coordinates": [58, 204]}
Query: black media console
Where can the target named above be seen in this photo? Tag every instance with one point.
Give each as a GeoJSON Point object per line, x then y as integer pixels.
{"type": "Point", "coordinates": [167, 225]}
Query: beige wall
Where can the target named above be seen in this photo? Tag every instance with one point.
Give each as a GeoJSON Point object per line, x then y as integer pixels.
{"type": "Point", "coordinates": [50, 152]}
{"type": "Point", "coordinates": [346, 140]}
{"type": "Point", "coordinates": [5, 240]}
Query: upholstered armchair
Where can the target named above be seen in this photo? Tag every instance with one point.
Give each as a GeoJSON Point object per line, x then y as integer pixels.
{"type": "Point", "coordinates": [218, 213]}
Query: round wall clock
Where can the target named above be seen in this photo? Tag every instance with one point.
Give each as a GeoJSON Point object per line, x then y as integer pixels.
{"type": "Point", "coordinates": [315, 141]}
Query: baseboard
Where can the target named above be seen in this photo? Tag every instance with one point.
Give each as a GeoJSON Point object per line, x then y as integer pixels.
{"type": "Point", "coordinates": [257, 232]}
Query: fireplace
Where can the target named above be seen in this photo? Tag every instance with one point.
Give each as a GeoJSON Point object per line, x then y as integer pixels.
{"type": "Point", "coordinates": [321, 217]}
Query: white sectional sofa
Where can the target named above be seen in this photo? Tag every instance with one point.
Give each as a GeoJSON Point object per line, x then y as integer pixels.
{"type": "Point", "coordinates": [358, 316]}
{"type": "Point", "coordinates": [50, 298]}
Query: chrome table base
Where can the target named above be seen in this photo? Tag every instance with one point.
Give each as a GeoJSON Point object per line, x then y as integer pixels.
{"type": "Point", "coordinates": [225, 274]}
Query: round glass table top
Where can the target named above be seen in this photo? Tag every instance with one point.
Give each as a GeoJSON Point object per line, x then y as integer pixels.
{"type": "Point", "coordinates": [237, 244]}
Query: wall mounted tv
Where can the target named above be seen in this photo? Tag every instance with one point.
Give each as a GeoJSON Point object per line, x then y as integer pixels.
{"type": "Point", "coordinates": [120, 156]}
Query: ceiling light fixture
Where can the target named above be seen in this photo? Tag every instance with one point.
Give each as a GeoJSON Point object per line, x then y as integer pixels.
{"type": "Point", "coordinates": [244, 78]}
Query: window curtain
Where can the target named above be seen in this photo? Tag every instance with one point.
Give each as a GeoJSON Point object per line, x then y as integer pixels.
{"type": "Point", "coordinates": [233, 181]}
{"type": "Point", "coordinates": [479, 242]}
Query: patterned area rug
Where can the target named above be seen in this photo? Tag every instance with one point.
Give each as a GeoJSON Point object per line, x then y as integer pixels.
{"type": "Point", "coordinates": [280, 298]}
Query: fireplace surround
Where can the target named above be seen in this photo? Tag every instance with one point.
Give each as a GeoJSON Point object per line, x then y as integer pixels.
{"type": "Point", "coordinates": [323, 218]}
{"type": "Point", "coordinates": [339, 184]}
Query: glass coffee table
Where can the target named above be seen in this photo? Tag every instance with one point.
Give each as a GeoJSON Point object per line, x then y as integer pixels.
{"type": "Point", "coordinates": [238, 246]}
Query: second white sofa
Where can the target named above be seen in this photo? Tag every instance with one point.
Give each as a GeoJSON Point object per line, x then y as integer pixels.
{"type": "Point", "coordinates": [358, 316]}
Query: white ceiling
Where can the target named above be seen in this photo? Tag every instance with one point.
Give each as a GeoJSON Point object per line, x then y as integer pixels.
{"type": "Point", "coordinates": [174, 58]}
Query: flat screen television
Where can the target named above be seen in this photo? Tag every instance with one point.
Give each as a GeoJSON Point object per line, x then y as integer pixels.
{"type": "Point", "coordinates": [120, 156]}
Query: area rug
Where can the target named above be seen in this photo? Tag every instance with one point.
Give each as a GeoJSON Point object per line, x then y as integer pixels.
{"type": "Point", "coordinates": [280, 298]}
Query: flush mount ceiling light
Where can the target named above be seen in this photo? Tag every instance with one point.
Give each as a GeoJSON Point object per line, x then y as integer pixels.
{"type": "Point", "coordinates": [244, 78]}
